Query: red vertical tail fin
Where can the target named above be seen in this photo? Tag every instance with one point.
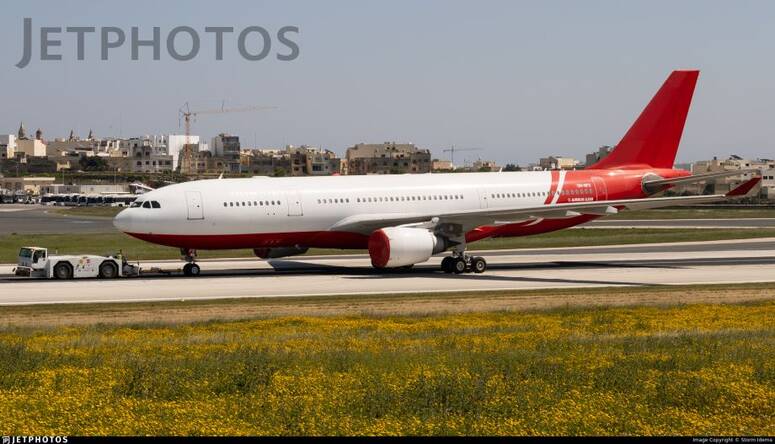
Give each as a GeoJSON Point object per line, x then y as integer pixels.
{"type": "Point", "coordinates": [653, 139]}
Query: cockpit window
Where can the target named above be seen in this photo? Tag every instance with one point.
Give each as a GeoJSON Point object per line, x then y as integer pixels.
{"type": "Point", "coordinates": [147, 204]}
{"type": "Point", "coordinates": [155, 204]}
{"type": "Point", "coordinates": [136, 204]}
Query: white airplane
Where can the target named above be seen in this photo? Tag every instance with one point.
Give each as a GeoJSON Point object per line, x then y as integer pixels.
{"type": "Point", "coordinates": [405, 219]}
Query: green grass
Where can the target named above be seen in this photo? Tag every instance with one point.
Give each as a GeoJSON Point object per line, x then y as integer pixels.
{"type": "Point", "coordinates": [134, 249]}
{"type": "Point", "coordinates": [679, 370]}
{"type": "Point", "coordinates": [695, 213]}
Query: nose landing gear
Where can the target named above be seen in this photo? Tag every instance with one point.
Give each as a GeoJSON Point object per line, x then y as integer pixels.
{"type": "Point", "coordinates": [191, 268]}
{"type": "Point", "coordinates": [463, 263]}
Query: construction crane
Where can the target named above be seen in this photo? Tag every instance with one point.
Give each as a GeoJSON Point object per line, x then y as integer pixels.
{"type": "Point", "coordinates": [189, 116]}
{"type": "Point", "coordinates": [452, 150]}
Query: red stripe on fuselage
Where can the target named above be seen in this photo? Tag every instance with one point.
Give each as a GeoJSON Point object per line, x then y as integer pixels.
{"type": "Point", "coordinates": [553, 186]}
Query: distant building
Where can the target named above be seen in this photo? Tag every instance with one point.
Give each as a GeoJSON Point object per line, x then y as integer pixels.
{"type": "Point", "coordinates": [387, 158]}
{"type": "Point", "coordinates": [27, 185]}
{"type": "Point", "coordinates": [175, 144]}
{"type": "Point", "coordinates": [194, 160]}
{"type": "Point", "coordinates": [7, 146]}
{"type": "Point", "coordinates": [292, 161]}
{"type": "Point", "coordinates": [597, 156]}
{"type": "Point", "coordinates": [683, 166]}
{"type": "Point", "coordinates": [442, 165]}
{"type": "Point", "coordinates": [558, 163]}
{"type": "Point", "coordinates": [146, 154]}
{"type": "Point", "coordinates": [486, 166]}
{"type": "Point", "coordinates": [733, 163]}
{"type": "Point", "coordinates": [227, 147]}
{"type": "Point", "coordinates": [768, 184]}
{"type": "Point", "coordinates": [263, 162]}
{"type": "Point", "coordinates": [319, 162]}
{"type": "Point", "coordinates": [30, 148]}
{"type": "Point", "coordinates": [59, 147]}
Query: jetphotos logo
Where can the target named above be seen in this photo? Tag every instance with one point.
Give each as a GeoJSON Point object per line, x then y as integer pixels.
{"type": "Point", "coordinates": [181, 43]}
{"type": "Point", "coordinates": [34, 439]}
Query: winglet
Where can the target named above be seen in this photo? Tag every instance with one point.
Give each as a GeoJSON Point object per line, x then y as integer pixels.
{"type": "Point", "coordinates": [744, 188]}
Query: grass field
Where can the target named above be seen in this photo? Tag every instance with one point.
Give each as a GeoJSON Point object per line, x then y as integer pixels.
{"type": "Point", "coordinates": [101, 243]}
{"type": "Point", "coordinates": [704, 369]}
{"type": "Point", "coordinates": [669, 213]}
{"type": "Point", "coordinates": [694, 213]}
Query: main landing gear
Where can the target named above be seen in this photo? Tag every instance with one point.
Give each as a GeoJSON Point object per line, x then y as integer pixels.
{"type": "Point", "coordinates": [191, 268]}
{"type": "Point", "coordinates": [462, 263]}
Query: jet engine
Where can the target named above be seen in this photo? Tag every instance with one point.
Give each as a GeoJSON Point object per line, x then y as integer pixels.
{"type": "Point", "coordinates": [402, 246]}
{"type": "Point", "coordinates": [278, 252]}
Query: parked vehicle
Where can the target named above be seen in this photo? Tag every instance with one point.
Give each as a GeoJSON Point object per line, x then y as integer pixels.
{"type": "Point", "coordinates": [36, 262]}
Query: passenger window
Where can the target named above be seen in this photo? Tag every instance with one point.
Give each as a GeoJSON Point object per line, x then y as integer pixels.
{"type": "Point", "coordinates": [155, 204]}
{"type": "Point", "coordinates": [225, 204]}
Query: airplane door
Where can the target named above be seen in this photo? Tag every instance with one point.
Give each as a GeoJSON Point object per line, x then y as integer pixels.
{"type": "Point", "coordinates": [482, 198]}
{"type": "Point", "coordinates": [601, 191]}
{"type": "Point", "coordinates": [294, 203]}
{"type": "Point", "coordinates": [194, 205]}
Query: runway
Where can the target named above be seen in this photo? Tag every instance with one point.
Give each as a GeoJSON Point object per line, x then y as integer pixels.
{"type": "Point", "coordinates": [736, 261]}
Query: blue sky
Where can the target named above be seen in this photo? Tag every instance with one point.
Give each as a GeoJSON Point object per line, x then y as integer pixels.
{"type": "Point", "coordinates": [520, 79]}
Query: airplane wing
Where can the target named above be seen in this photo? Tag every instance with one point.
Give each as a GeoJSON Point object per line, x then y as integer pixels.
{"type": "Point", "coordinates": [658, 184]}
{"type": "Point", "coordinates": [469, 219]}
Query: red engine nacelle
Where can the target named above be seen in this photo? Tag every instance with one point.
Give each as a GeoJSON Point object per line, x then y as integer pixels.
{"type": "Point", "coordinates": [400, 246]}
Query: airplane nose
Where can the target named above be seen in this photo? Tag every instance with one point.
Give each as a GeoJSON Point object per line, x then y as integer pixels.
{"type": "Point", "coordinates": [123, 221]}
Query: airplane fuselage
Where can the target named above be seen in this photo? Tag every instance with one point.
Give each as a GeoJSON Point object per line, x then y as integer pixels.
{"type": "Point", "coordinates": [263, 212]}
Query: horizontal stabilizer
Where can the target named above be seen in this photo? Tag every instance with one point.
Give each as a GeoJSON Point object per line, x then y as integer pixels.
{"type": "Point", "coordinates": [744, 188]}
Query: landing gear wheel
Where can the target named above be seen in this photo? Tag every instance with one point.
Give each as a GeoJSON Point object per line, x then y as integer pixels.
{"type": "Point", "coordinates": [478, 265]}
{"type": "Point", "coordinates": [446, 264]}
{"type": "Point", "coordinates": [191, 269]}
{"type": "Point", "coordinates": [458, 265]}
{"type": "Point", "coordinates": [108, 271]}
